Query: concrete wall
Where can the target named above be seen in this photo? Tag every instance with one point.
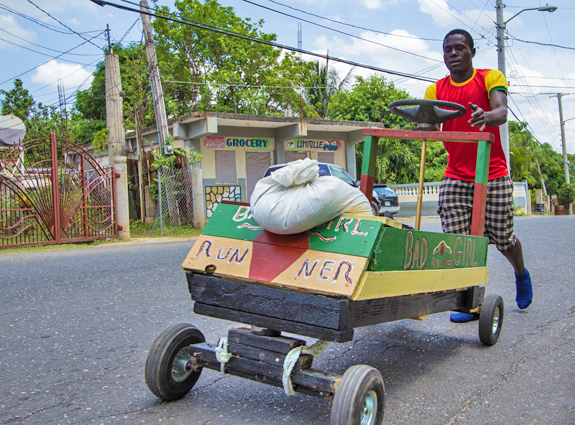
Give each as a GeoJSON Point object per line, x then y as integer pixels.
{"type": "Point", "coordinates": [407, 194]}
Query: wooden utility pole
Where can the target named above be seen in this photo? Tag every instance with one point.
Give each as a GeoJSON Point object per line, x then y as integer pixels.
{"type": "Point", "coordinates": [117, 142]}
{"type": "Point", "coordinates": [157, 90]}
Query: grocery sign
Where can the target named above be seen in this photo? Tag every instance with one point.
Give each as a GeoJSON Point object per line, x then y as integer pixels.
{"type": "Point", "coordinates": [236, 143]}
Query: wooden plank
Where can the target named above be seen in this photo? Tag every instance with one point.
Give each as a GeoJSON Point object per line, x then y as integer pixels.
{"type": "Point", "coordinates": [348, 234]}
{"type": "Point", "coordinates": [409, 282]}
{"type": "Point", "coordinates": [438, 136]}
{"type": "Point", "coordinates": [408, 249]}
{"type": "Point", "coordinates": [305, 361]}
{"type": "Point", "coordinates": [283, 325]}
{"type": "Point", "coordinates": [309, 379]}
{"type": "Point", "coordinates": [478, 212]}
{"type": "Point", "coordinates": [317, 310]}
{"type": "Point", "coordinates": [386, 221]}
{"type": "Point", "coordinates": [382, 310]}
{"type": "Point", "coordinates": [277, 344]}
{"type": "Point", "coordinates": [312, 271]}
{"type": "Point", "coordinates": [233, 221]}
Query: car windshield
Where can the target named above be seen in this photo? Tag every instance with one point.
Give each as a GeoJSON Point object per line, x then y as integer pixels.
{"type": "Point", "coordinates": [340, 173]}
{"type": "Point", "coordinates": [384, 191]}
{"type": "Point", "coordinates": [272, 169]}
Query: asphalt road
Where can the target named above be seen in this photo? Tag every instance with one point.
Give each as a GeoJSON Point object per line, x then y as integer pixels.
{"type": "Point", "coordinates": [76, 327]}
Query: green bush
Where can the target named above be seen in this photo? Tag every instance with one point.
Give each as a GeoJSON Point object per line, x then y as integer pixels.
{"type": "Point", "coordinates": [566, 194]}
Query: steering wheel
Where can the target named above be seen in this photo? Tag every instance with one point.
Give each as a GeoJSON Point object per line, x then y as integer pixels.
{"type": "Point", "coordinates": [426, 112]}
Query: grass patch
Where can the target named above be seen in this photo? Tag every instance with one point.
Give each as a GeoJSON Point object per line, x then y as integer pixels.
{"type": "Point", "coordinates": [141, 230]}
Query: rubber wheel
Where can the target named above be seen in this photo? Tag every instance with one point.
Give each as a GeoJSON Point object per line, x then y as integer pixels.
{"type": "Point", "coordinates": [491, 319]}
{"type": "Point", "coordinates": [375, 208]}
{"type": "Point", "coordinates": [166, 373]}
{"type": "Point", "coordinates": [359, 398]}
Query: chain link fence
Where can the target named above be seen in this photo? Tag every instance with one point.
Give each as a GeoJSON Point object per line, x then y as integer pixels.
{"type": "Point", "coordinates": [174, 199]}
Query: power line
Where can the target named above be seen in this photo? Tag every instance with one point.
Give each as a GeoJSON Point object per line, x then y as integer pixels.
{"type": "Point", "coordinates": [61, 23]}
{"type": "Point", "coordinates": [266, 42]}
{"type": "Point", "coordinates": [38, 66]}
{"type": "Point", "coordinates": [38, 45]}
{"type": "Point", "coordinates": [341, 32]}
{"type": "Point", "coordinates": [346, 24]}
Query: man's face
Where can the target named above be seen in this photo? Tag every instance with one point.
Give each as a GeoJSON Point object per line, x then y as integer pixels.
{"type": "Point", "coordinates": [457, 54]}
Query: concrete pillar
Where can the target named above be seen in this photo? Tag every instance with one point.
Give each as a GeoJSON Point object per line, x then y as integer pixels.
{"type": "Point", "coordinates": [122, 205]}
{"type": "Point", "coordinates": [150, 206]}
{"type": "Point", "coordinates": [198, 194]}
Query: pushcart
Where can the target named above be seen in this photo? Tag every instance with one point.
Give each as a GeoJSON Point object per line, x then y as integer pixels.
{"type": "Point", "coordinates": [351, 272]}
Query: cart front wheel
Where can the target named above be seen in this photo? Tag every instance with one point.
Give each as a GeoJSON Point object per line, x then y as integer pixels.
{"type": "Point", "coordinates": [491, 319]}
{"type": "Point", "coordinates": [359, 398]}
{"type": "Point", "coordinates": [169, 374]}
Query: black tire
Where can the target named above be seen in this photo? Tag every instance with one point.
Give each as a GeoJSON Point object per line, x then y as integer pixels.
{"type": "Point", "coordinates": [375, 208]}
{"type": "Point", "coordinates": [491, 319]}
{"type": "Point", "coordinates": [359, 398]}
{"type": "Point", "coordinates": [166, 374]}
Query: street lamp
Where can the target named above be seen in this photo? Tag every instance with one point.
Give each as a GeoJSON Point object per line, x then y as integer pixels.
{"type": "Point", "coordinates": [501, 24]}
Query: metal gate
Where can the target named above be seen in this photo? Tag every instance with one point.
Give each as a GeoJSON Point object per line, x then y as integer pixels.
{"type": "Point", "coordinates": [52, 192]}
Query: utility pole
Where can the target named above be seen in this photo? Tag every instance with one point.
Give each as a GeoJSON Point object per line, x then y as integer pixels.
{"type": "Point", "coordinates": [504, 128]}
{"type": "Point", "coordinates": [157, 90]}
{"type": "Point", "coordinates": [564, 144]}
{"type": "Point", "coordinates": [117, 142]}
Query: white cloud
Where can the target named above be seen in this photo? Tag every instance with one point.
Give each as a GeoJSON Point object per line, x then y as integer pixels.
{"type": "Point", "coordinates": [72, 75]}
{"type": "Point", "coordinates": [9, 24]}
{"type": "Point", "coordinates": [377, 4]}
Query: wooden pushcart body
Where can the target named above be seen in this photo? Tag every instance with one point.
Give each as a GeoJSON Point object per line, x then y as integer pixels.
{"type": "Point", "coordinates": [351, 272]}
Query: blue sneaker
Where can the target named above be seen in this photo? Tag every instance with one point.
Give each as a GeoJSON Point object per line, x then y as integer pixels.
{"type": "Point", "coordinates": [463, 317]}
{"type": "Point", "coordinates": [524, 290]}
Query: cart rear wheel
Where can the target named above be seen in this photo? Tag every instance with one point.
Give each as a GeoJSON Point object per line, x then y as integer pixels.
{"type": "Point", "coordinates": [168, 372]}
{"type": "Point", "coordinates": [359, 398]}
{"type": "Point", "coordinates": [375, 208]}
{"type": "Point", "coordinates": [491, 319]}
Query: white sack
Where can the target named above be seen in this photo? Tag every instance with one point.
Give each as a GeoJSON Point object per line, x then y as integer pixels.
{"type": "Point", "coordinates": [294, 199]}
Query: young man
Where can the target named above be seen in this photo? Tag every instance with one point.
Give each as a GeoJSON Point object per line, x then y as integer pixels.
{"type": "Point", "coordinates": [484, 92]}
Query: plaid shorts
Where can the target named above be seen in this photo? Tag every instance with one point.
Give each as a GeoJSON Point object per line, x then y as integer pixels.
{"type": "Point", "coordinates": [456, 204]}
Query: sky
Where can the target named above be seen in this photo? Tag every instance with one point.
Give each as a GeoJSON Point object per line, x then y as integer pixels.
{"type": "Point", "coordinates": [47, 42]}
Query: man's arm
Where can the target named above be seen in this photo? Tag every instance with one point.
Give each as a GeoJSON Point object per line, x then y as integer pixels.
{"type": "Point", "coordinates": [494, 118]}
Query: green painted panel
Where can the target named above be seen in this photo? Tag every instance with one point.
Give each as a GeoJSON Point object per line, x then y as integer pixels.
{"type": "Point", "coordinates": [232, 221]}
{"type": "Point", "coordinates": [341, 235]}
{"type": "Point", "coordinates": [403, 249]}
{"type": "Point", "coordinates": [345, 235]}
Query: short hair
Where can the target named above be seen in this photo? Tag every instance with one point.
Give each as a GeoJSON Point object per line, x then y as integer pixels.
{"type": "Point", "coordinates": [464, 33]}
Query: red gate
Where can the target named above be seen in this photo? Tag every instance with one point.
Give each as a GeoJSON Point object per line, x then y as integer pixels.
{"type": "Point", "coordinates": [52, 192]}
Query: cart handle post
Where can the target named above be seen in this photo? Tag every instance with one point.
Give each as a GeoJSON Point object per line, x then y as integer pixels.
{"type": "Point", "coordinates": [483, 140]}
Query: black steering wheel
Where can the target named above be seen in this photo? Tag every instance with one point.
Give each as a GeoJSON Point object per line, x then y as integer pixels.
{"type": "Point", "coordinates": [427, 113]}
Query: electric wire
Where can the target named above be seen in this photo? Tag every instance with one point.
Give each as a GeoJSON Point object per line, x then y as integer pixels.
{"type": "Point", "coordinates": [38, 66]}
{"type": "Point", "coordinates": [268, 42]}
{"type": "Point", "coordinates": [344, 33]}
{"type": "Point", "coordinates": [63, 24]}
{"type": "Point", "coordinates": [347, 24]}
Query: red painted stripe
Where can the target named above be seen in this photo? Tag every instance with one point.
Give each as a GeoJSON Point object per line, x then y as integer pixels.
{"type": "Point", "coordinates": [269, 261]}
{"type": "Point", "coordinates": [478, 213]}
{"type": "Point", "coordinates": [299, 240]}
{"type": "Point", "coordinates": [244, 204]}
{"type": "Point", "coordinates": [366, 186]}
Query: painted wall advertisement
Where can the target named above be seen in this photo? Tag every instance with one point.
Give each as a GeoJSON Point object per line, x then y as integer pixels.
{"type": "Point", "coordinates": [213, 142]}
{"type": "Point", "coordinates": [313, 145]}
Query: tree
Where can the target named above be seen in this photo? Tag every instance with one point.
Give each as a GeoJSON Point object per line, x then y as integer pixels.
{"type": "Point", "coordinates": [323, 84]}
{"type": "Point", "coordinates": [18, 101]}
{"type": "Point", "coordinates": [206, 70]}
{"type": "Point", "coordinates": [368, 100]}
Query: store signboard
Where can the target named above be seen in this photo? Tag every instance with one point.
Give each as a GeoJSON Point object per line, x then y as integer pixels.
{"type": "Point", "coordinates": [313, 145]}
{"type": "Point", "coordinates": [213, 142]}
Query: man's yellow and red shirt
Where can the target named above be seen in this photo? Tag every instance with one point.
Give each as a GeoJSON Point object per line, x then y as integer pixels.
{"type": "Point", "coordinates": [462, 156]}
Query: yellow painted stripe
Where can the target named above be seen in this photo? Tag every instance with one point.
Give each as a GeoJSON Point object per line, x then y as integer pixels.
{"type": "Point", "coordinates": [389, 222]}
{"type": "Point", "coordinates": [409, 282]}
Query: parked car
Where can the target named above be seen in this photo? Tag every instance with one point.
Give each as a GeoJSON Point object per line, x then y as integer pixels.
{"type": "Point", "coordinates": [384, 201]}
